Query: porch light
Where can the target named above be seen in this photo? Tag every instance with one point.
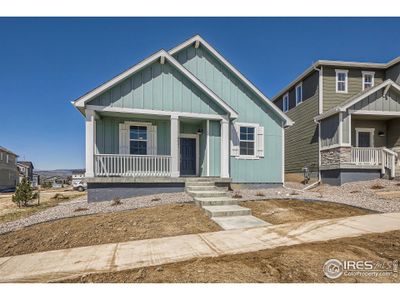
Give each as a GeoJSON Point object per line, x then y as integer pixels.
{"type": "Point", "coordinates": [200, 131]}
{"type": "Point", "coordinates": [381, 133]}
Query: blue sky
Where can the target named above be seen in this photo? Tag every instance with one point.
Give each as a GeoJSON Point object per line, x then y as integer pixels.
{"type": "Point", "coordinates": [47, 62]}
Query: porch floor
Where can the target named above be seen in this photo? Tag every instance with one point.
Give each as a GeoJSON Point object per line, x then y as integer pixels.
{"type": "Point", "coordinates": [152, 179]}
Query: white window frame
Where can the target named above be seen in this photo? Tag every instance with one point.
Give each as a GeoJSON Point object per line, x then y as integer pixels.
{"type": "Point", "coordinates": [300, 85]}
{"type": "Point", "coordinates": [285, 102]}
{"type": "Point", "coordinates": [346, 82]}
{"type": "Point", "coordinates": [371, 132]}
{"type": "Point", "coordinates": [141, 124]}
{"type": "Point", "coordinates": [250, 125]}
{"type": "Point", "coordinates": [7, 158]}
{"type": "Point", "coordinates": [372, 78]}
{"type": "Point", "coordinates": [1, 155]}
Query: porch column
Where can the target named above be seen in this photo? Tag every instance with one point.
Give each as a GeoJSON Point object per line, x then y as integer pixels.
{"type": "Point", "coordinates": [225, 148]}
{"type": "Point", "coordinates": [90, 125]}
{"type": "Point", "coordinates": [174, 146]}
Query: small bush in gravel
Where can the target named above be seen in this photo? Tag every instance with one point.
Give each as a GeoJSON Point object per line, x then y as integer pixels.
{"type": "Point", "coordinates": [80, 209]}
{"type": "Point", "coordinates": [260, 194]}
{"type": "Point", "coordinates": [376, 187]}
{"type": "Point", "coordinates": [294, 193]}
{"type": "Point", "coordinates": [59, 196]}
{"type": "Point", "coordinates": [355, 192]}
{"type": "Point", "coordinates": [116, 201]}
{"type": "Point", "coordinates": [155, 199]}
{"type": "Point", "coordinates": [236, 195]}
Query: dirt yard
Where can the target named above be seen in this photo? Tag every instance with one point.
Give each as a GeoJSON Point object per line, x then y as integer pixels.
{"type": "Point", "coordinates": [300, 263]}
{"type": "Point", "coordinates": [284, 211]}
{"type": "Point", "coordinates": [139, 224]}
{"type": "Point", "coordinates": [9, 211]}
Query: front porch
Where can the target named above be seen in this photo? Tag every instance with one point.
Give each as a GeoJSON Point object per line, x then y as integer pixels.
{"type": "Point", "coordinates": [156, 146]}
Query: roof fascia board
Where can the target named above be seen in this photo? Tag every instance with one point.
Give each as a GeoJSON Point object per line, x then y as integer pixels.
{"type": "Point", "coordinates": [192, 40]}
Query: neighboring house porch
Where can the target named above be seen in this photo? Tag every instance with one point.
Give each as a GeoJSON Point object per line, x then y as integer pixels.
{"type": "Point", "coordinates": [360, 139]}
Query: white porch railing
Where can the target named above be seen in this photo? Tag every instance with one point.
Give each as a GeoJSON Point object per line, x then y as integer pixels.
{"type": "Point", "coordinates": [132, 165]}
{"type": "Point", "coordinates": [383, 157]}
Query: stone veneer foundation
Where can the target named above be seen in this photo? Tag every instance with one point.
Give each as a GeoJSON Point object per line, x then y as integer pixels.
{"type": "Point", "coordinates": [335, 156]}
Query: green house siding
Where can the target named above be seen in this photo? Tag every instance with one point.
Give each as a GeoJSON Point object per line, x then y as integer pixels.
{"type": "Point", "coordinates": [331, 98]}
{"type": "Point", "coordinates": [107, 134]}
{"type": "Point", "coordinates": [159, 87]}
{"type": "Point", "coordinates": [251, 109]}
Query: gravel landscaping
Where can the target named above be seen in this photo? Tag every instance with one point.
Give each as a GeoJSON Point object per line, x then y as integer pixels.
{"type": "Point", "coordinates": [80, 207]}
{"type": "Point", "coordinates": [371, 195]}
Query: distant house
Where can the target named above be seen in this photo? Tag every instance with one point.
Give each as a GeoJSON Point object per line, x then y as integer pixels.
{"type": "Point", "coordinates": [8, 169]}
{"type": "Point", "coordinates": [25, 169]}
{"type": "Point", "coordinates": [55, 181]}
{"type": "Point", "coordinates": [78, 174]}
{"type": "Point", "coordinates": [35, 180]}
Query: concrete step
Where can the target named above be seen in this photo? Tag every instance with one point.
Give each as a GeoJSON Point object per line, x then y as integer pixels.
{"type": "Point", "coordinates": [238, 222]}
{"type": "Point", "coordinates": [216, 201]}
{"type": "Point", "coordinates": [200, 179]}
{"type": "Point", "coordinates": [200, 183]}
{"type": "Point", "coordinates": [226, 211]}
{"type": "Point", "coordinates": [204, 188]}
{"type": "Point", "coordinates": [207, 194]}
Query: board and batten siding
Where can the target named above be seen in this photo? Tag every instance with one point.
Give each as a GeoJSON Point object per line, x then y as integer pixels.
{"type": "Point", "coordinates": [301, 140]}
{"type": "Point", "coordinates": [393, 73]}
{"type": "Point", "coordinates": [393, 133]}
{"type": "Point", "coordinates": [377, 102]}
{"type": "Point", "coordinates": [354, 86]}
{"type": "Point", "coordinates": [159, 87]}
{"type": "Point", "coordinates": [107, 134]}
{"type": "Point", "coordinates": [251, 109]}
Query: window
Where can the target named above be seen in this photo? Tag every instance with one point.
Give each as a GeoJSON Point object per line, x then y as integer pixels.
{"type": "Point", "coordinates": [341, 81]}
{"type": "Point", "coordinates": [368, 79]}
{"type": "Point", "coordinates": [286, 103]}
{"type": "Point", "coordinates": [138, 140]}
{"type": "Point", "coordinates": [299, 93]}
{"type": "Point", "coordinates": [247, 141]}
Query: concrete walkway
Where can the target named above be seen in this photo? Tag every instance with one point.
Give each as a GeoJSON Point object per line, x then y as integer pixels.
{"type": "Point", "coordinates": [59, 264]}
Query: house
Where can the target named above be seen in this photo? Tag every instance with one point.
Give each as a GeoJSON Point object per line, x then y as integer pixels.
{"type": "Point", "coordinates": [8, 169]}
{"type": "Point", "coordinates": [180, 113]}
{"type": "Point", "coordinates": [347, 120]}
{"type": "Point", "coordinates": [55, 181]}
{"type": "Point", "coordinates": [25, 169]}
{"type": "Point", "coordinates": [35, 180]}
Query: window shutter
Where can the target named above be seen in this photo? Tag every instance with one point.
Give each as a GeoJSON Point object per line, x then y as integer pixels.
{"type": "Point", "coordinates": [235, 150]}
{"type": "Point", "coordinates": [152, 140]}
{"type": "Point", "coordinates": [260, 141]}
{"type": "Point", "coordinates": [123, 139]}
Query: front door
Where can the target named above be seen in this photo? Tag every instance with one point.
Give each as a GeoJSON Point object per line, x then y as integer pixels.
{"type": "Point", "coordinates": [188, 156]}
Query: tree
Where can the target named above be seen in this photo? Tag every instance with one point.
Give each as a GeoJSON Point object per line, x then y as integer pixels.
{"type": "Point", "coordinates": [23, 194]}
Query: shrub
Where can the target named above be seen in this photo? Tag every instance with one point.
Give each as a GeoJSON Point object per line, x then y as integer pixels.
{"type": "Point", "coordinates": [116, 201]}
{"type": "Point", "coordinates": [236, 195]}
{"type": "Point", "coordinates": [376, 187]}
{"type": "Point", "coordinates": [80, 209]}
{"type": "Point", "coordinates": [260, 194]}
{"type": "Point", "coordinates": [23, 194]}
{"type": "Point", "coordinates": [59, 196]}
{"type": "Point", "coordinates": [155, 199]}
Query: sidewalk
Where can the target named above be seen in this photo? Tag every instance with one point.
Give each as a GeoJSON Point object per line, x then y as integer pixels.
{"type": "Point", "coordinates": [59, 264]}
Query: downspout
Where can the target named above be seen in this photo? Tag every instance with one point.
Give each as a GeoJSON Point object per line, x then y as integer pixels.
{"type": "Point", "coordinates": [320, 111]}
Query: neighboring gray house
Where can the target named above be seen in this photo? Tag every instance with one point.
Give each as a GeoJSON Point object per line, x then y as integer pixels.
{"type": "Point", "coordinates": [25, 169]}
{"type": "Point", "coordinates": [347, 120]}
{"type": "Point", "coordinates": [8, 169]}
{"type": "Point", "coordinates": [180, 113]}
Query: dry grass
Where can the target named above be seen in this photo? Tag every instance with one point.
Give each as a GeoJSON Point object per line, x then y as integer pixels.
{"type": "Point", "coordinates": [9, 211]}
{"type": "Point", "coordinates": [376, 187]}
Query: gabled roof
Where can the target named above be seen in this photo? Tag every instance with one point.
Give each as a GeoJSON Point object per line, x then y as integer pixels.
{"type": "Point", "coordinates": [268, 102]}
{"type": "Point", "coordinates": [356, 98]}
{"type": "Point", "coordinates": [335, 63]}
{"type": "Point", "coordinates": [7, 151]}
{"type": "Point", "coordinates": [162, 55]}
{"type": "Point", "coordinates": [26, 163]}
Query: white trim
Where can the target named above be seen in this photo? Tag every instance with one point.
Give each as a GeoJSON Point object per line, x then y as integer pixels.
{"type": "Point", "coordinates": [350, 127]}
{"type": "Point", "coordinates": [301, 96]}
{"type": "Point", "coordinates": [319, 150]}
{"type": "Point", "coordinates": [162, 53]}
{"type": "Point", "coordinates": [148, 142]}
{"type": "Point", "coordinates": [321, 91]}
{"type": "Point", "coordinates": [196, 137]}
{"type": "Point", "coordinates": [175, 171]}
{"type": "Point", "coordinates": [252, 125]}
{"type": "Point", "coordinates": [340, 128]}
{"type": "Point", "coordinates": [208, 147]}
{"type": "Point", "coordinates": [90, 149]}
{"type": "Point", "coordinates": [288, 121]}
{"type": "Point", "coordinates": [346, 82]}
{"type": "Point", "coordinates": [372, 78]}
{"type": "Point", "coordinates": [371, 132]}
{"type": "Point", "coordinates": [165, 113]}
{"type": "Point", "coordinates": [285, 100]}
{"type": "Point", "coordinates": [332, 146]}
{"type": "Point", "coordinates": [283, 155]}
{"type": "Point", "coordinates": [376, 113]}
{"type": "Point", "coordinates": [224, 172]}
